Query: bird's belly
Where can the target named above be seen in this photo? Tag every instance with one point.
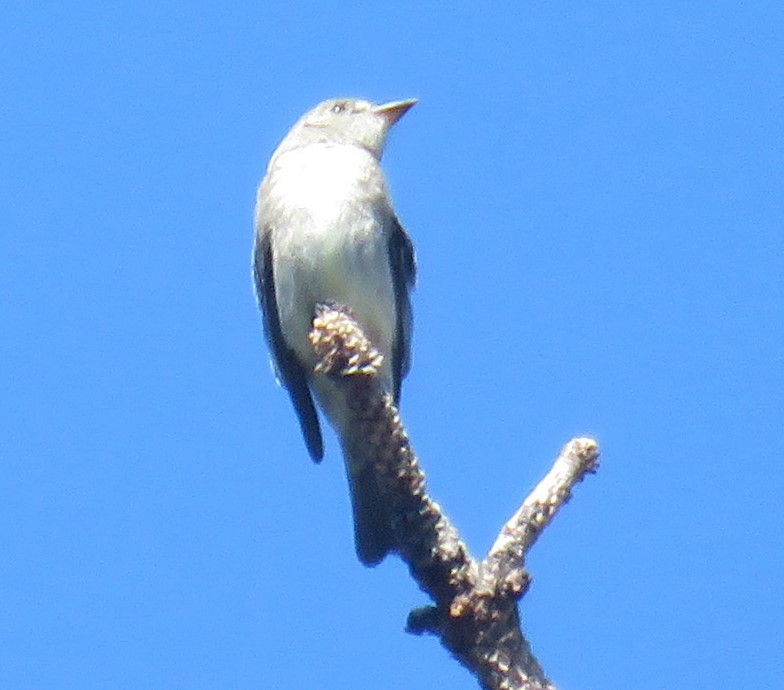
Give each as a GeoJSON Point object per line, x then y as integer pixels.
{"type": "Point", "coordinates": [339, 260]}
{"type": "Point", "coordinates": [331, 244]}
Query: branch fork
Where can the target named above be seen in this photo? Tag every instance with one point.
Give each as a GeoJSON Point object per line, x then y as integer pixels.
{"type": "Point", "coordinates": [475, 612]}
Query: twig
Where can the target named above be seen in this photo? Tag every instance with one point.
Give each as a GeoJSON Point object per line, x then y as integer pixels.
{"type": "Point", "coordinates": [475, 603]}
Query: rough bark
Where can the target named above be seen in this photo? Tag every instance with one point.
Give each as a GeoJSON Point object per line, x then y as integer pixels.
{"type": "Point", "coordinates": [474, 611]}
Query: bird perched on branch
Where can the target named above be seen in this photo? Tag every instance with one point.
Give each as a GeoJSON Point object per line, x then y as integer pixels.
{"type": "Point", "coordinates": [326, 233]}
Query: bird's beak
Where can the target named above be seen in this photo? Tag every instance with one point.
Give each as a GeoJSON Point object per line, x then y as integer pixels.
{"type": "Point", "coordinates": [393, 111]}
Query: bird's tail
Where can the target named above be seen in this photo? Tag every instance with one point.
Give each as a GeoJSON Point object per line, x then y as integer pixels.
{"type": "Point", "coordinates": [373, 537]}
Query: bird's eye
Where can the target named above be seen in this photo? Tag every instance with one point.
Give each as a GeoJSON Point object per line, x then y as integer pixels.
{"type": "Point", "coordinates": [338, 108]}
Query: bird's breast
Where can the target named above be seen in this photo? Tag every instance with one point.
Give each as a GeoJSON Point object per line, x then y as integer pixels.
{"type": "Point", "coordinates": [331, 245]}
{"type": "Point", "coordinates": [321, 185]}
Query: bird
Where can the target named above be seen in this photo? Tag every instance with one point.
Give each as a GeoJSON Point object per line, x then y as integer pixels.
{"type": "Point", "coordinates": [326, 233]}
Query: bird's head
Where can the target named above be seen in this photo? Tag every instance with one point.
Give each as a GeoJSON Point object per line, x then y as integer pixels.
{"type": "Point", "coordinates": [351, 121]}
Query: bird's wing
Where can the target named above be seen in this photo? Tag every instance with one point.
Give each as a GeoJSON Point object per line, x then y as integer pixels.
{"type": "Point", "coordinates": [403, 268]}
{"type": "Point", "coordinates": [288, 367]}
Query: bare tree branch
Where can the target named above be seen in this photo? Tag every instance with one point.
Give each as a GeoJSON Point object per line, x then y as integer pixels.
{"type": "Point", "coordinates": [475, 611]}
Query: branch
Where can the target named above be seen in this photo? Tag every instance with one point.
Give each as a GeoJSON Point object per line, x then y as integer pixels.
{"type": "Point", "coordinates": [475, 602]}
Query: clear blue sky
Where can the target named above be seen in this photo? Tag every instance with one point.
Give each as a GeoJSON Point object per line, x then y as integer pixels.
{"type": "Point", "coordinates": [595, 194]}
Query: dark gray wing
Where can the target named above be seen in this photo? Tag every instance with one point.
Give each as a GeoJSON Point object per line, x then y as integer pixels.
{"type": "Point", "coordinates": [290, 371]}
{"type": "Point", "coordinates": [403, 267]}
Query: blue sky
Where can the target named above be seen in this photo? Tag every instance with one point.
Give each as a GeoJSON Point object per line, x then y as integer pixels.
{"type": "Point", "coordinates": [595, 195]}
